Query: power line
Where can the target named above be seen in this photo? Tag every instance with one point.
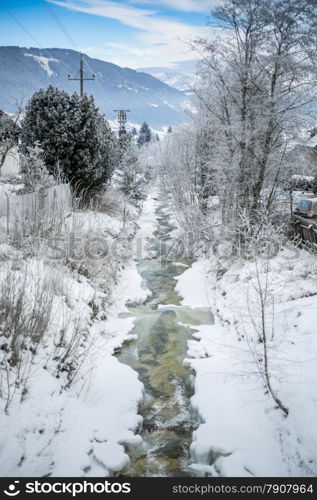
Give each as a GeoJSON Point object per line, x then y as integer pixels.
{"type": "Point", "coordinates": [102, 90]}
{"type": "Point", "coordinates": [81, 77]}
{"type": "Point", "coordinates": [63, 28]}
{"type": "Point", "coordinates": [100, 85]}
{"type": "Point", "coordinates": [60, 24]}
{"type": "Point", "coordinates": [23, 27]}
{"type": "Point", "coordinates": [35, 40]}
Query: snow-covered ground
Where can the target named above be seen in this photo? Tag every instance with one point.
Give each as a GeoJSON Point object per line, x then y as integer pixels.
{"type": "Point", "coordinates": [85, 428]}
{"type": "Point", "coordinates": [242, 432]}
{"type": "Point", "coordinates": [80, 430]}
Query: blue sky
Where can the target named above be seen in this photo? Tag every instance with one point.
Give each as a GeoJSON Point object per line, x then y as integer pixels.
{"type": "Point", "coordinates": [134, 33]}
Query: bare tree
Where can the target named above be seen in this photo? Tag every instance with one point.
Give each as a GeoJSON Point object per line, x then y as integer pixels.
{"type": "Point", "coordinates": [258, 79]}
{"type": "Point", "coordinates": [261, 345]}
{"type": "Point", "coordinates": [9, 132]}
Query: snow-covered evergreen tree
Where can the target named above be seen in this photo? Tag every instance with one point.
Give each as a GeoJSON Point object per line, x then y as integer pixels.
{"type": "Point", "coordinates": [108, 152]}
{"type": "Point", "coordinates": [124, 144]}
{"type": "Point", "coordinates": [81, 165]}
{"type": "Point", "coordinates": [72, 134]}
{"type": "Point", "coordinates": [47, 121]}
{"type": "Point", "coordinates": [145, 135]}
{"type": "Point", "coordinates": [130, 176]}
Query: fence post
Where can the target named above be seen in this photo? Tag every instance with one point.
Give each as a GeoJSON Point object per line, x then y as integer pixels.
{"type": "Point", "coordinates": [8, 214]}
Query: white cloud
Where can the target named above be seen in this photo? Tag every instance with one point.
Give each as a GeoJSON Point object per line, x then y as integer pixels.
{"type": "Point", "coordinates": [204, 6]}
{"type": "Point", "coordinates": [135, 51]}
{"type": "Point", "coordinates": [127, 14]}
{"type": "Point", "coordinates": [160, 40]}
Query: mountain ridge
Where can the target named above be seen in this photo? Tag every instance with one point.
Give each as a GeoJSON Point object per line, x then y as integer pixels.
{"type": "Point", "coordinates": [181, 76]}
{"type": "Point", "coordinates": [27, 69]}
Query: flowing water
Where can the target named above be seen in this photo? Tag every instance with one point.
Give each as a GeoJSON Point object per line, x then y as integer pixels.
{"type": "Point", "coordinates": [157, 355]}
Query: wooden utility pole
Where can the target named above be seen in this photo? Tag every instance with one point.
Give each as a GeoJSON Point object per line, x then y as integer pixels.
{"type": "Point", "coordinates": [80, 75]}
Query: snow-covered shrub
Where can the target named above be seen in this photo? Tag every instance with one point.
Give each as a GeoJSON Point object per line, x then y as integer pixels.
{"type": "Point", "coordinates": [38, 215]}
{"type": "Point", "coordinates": [110, 201]}
{"type": "Point", "coordinates": [70, 348]}
{"type": "Point", "coordinates": [259, 236]}
{"type": "Point", "coordinates": [25, 306]}
{"type": "Point", "coordinates": [33, 169]}
{"type": "Point", "coordinates": [181, 175]}
{"type": "Point", "coordinates": [86, 245]}
{"type": "Point", "coordinates": [43, 326]}
{"type": "Point", "coordinates": [9, 133]}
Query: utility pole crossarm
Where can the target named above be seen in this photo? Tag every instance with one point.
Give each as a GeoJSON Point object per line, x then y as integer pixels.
{"type": "Point", "coordinates": [81, 77]}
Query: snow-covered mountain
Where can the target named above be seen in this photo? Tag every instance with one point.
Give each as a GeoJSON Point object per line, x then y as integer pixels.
{"type": "Point", "coordinates": [181, 77]}
{"type": "Point", "coordinates": [179, 81]}
{"type": "Point", "coordinates": [25, 70]}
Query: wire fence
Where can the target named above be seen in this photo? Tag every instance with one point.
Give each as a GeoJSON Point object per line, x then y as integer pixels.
{"type": "Point", "coordinates": [33, 213]}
